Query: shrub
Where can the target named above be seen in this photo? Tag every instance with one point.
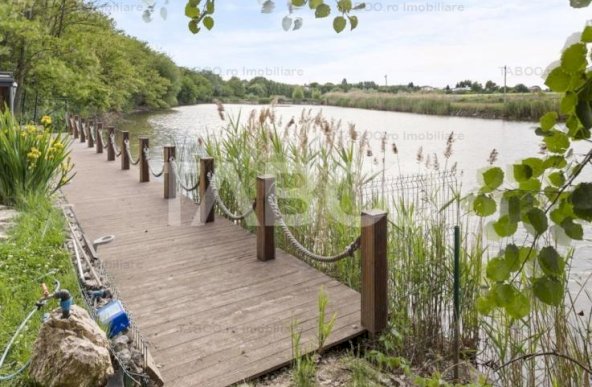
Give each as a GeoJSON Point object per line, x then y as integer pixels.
{"type": "Point", "coordinates": [33, 160]}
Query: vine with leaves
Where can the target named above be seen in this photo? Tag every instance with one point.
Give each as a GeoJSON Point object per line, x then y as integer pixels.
{"type": "Point", "coordinates": [201, 13]}
{"type": "Point", "coordinates": [546, 195]}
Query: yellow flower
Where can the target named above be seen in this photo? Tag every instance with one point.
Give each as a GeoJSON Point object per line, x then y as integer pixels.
{"type": "Point", "coordinates": [46, 120]}
{"type": "Point", "coordinates": [34, 154]}
{"type": "Point", "coordinates": [32, 129]}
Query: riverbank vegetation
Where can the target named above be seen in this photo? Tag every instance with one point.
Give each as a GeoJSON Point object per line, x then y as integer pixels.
{"type": "Point", "coordinates": [516, 106]}
{"type": "Point", "coordinates": [33, 253]}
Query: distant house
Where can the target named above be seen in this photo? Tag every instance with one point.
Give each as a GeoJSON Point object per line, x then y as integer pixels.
{"type": "Point", "coordinates": [428, 89]}
{"type": "Point", "coordinates": [535, 89]}
{"type": "Point", "coordinates": [461, 90]}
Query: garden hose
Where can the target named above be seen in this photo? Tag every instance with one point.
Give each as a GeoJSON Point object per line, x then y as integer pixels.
{"type": "Point", "coordinates": [38, 306]}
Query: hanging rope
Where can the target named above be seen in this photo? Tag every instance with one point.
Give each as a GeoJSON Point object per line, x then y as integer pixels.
{"type": "Point", "coordinates": [348, 252]}
{"type": "Point", "coordinates": [103, 141]}
{"type": "Point", "coordinates": [115, 148]}
{"type": "Point", "coordinates": [147, 155]}
{"type": "Point", "coordinates": [91, 133]}
{"type": "Point", "coordinates": [129, 153]}
{"type": "Point", "coordinates": [221, 204]}
{"type": "Point", "coordinates": [175, 170]}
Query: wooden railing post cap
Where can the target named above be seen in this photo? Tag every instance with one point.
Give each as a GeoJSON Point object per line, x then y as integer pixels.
{"type": "Point", "coordinates": [266, 177]}
{"type": "Point", "coordinates": [374, 213]}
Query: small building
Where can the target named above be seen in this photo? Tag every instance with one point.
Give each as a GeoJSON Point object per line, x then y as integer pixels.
{"type": "Point", "coordinates": [7, 91]}
{"type": "Point", "coordinates": [535, 89]}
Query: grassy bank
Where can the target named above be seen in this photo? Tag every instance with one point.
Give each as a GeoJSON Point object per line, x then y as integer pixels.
{"type": "Point", "coordinates": [34, 253]}
{"type": "Point", "coordinates": [523, 107]}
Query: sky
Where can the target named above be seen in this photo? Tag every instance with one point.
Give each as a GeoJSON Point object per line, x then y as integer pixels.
{"type": "Point", "coordinates": [434, 43]}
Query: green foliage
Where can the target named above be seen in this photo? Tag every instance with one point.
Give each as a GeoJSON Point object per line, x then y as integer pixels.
{"type": "Point", "coordinates": [201, 13]}
{"type": "Point", "coordinates": [324, 327]}
{"type": "Point", "coordinates": [33, 160]}
{"type": "Point", "coordinates": [304, 366]}
{"type": "Point", "coordinates": [33, 254]}
{"type": "Point", "coordinates": [298, 94]}
{"type": "Point", "coordinates": [545, 194]}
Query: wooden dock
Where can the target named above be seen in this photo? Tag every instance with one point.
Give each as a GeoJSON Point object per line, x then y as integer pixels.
{"type": "Point", "coordinates": [213, 314]}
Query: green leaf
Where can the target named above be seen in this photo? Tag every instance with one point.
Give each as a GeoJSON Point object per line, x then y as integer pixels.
{"type": "Point", "coordinates": [573, 230]}
{"type": "Point", "coordinates": [519, 306]}
{"type": "Point", "coordinates": [498, 270]}
{"type": "Point", "coordinates": [484, 205]}
{"type": "Point", "coordinates": [503, 294]}
{"type": "Point", "coordinates": [579, 3]}
{"type": "Point", "coordinates": [485, 304]}
{"type": "Point", "coordinates": [512, 257]}
{"type": "Point", "coordinates": [558, 80]}
{"type": "Point", "coordinates": [191, 11]}
{"type": "Point", "coordinates": [557, 142]}
{"type": "Point", "coordinates": [298, 3]}
{"type": "Point", "coordinates": [504, 227]}
{"type": "Point", "coordinates": [551, 262]}
{"type": "Point", "coordinates": [584, 113]}
{"type": "Point", "coordinates": [314, 4]}
{"type": "Point", "coordinates": [210, 7]}
{"type": "Point", "coordinates": [569, 102]}
{"type": "Point", "coordinates": [587, 34]}
{"type": "Point", "coordinates": [208, 22]}
{"type": "Point", "coordinates": [493, 178]}
{"type": "Point", "coordinates": [533, 185]}
{"type": "Point", "coordinates": [537, 218]}
{"type": "Point", "coordinates": [522, 172]}
{"type": "Point", "coordinates": [555, 162]}
{"type": "Point", "coordinates": [548, 121]}
{"type": "Point", "coordinates": [573, 58]}
{"type": "Point", "coordinates": [511, 207]}
{"type": "Point", "coordinates": [193, 26]}
{"type": "Point", "coordinates": [536, 165]}
{"type": "Point", "coordinates": [548, 290]}
{"type": "Point", "coordinates": [353, 21]}
{"type": "Point", "coordinates": [557, 178]}
{"type": "Point", "coordinates": [344, 5]}
{"type": "Point", "coordinates": [339, 24]}
{"type": "Point", "coordinates": [323, 10]}
{"type": "Point", "coordinates": [581, 199]}
{"type": "Point", "coordinates": [561, 212]}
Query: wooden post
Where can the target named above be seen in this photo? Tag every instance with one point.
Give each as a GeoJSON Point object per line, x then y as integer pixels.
{"type": "Point", "coordinates": [208, 201]}
{"type": "Point", "coordinates": [91, 130]}
{"type": "Point", "coordinates": [76, 123]}
{"type": "Point", "coordinates": [110, 145]}
{"type": "Point", "coordinates": [170, 182]}
{"type": "Point", "coordinates": [82, 130]}
{"type": "Point", "coordinates": [70, 126]}
{"type": "Point", "coordinates": [125, 161]}
{"type": "Point", "coordinates": [374, 271]}
{"type": "Point", "coordinates": [99, 137]}
{"type": "Point", "coordinates": [265, 218]}
{"type": "Point", "coordinates": [144, 170]}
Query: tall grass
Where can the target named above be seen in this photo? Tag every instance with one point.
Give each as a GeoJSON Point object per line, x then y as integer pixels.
{"type": "Point", "coordinates": [525, 107]}
{"type": "Point", "coordinates": [33, 160]}
{"type": "Point", "coordinates": [321, 173]}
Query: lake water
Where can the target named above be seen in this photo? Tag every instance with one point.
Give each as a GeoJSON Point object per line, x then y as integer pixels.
{"type": "Point", "coordinates": [474, 141]}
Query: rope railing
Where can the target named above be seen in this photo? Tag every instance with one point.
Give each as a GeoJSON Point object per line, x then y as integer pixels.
{"type": "Point", "coordinates": [222, 206]}
{"type": "Point", "coordinates": [91, 133]}
{"type": "Point", "coordinates": [115, 147]}
{"type": "Point", "coordinates": [175, 169]}
{"type": "Point", "coordinates": [103, 140]}
{"type": "Point", "coordinates": [129, 153]}
{"type": "Point", "coordinates": [347, 253]}
{"type": "Point", "coordinates": [147, 155]}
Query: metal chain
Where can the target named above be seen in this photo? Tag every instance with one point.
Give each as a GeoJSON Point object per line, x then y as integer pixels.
{"type": "Point", "coordinates": [147, 155]}
{"type": "Point", "coordinates": [221, 204]}
{"type": "Point", "coordinates": [129, 153]}
{"type": "Point", "coordinates": [175, 170]}
{"type": "Point", "coordinates": [348, 252]}
{"type": "Point", "coordinates": [115, 148]}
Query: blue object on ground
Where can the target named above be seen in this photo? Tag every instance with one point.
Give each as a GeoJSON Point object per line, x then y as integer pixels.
{"type": "Point", "coordinates": [115, 316]}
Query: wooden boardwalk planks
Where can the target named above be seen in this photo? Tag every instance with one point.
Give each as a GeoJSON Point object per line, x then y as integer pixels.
{"type": "Point", "coordinates": [213, 314]}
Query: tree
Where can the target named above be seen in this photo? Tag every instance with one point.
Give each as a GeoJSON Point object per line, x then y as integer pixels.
{"type": "Point", "coordinates": [491, 87]}
{"type": "Point", "coordinates": [237, 86]}
{"type": "Point", "coordinates": [521, 88]}
{"type": "Point", "coordinates": [298, 94]}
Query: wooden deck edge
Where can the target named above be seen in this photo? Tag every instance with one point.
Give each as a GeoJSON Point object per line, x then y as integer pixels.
{"type": "Point", "coordinates": [289, 362]}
